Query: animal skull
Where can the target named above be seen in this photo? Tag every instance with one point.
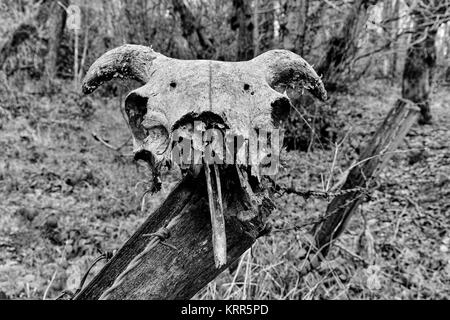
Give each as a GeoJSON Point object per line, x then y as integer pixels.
{"type": "Point", "coordinates": [244, 95]}
{"type": "Point", "coordinates": [239, 97]}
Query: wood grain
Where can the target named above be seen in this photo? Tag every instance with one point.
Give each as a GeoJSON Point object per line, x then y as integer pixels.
{"type": "Point", "coordinates": [166, 273]}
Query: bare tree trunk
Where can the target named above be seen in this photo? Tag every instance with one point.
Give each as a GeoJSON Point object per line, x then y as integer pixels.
{"type": "Point", "coordinates": [192, 30]}
{"type": "Point", "coordinates": [21, 34]}
{"type": "Point", "coordinates": [57, 22]}
{"type": "Point", "coordinates": [136, 17]}
{"type": "Point", "coordinates": [266, 25]}
{"type": "Point", "coordinates": [421, 57]}
{"type": "Point", "coordinates": [294, 30]}
{"type": "Point", "coordinates": [395, 30]}
{"type": "Point", "coordinates": [419, 65]}
{"type": "Point", "coordinates": [256, 39]}
{"type": "Point", "coordinates": [446, 49]}
{"type": "Point", "coordinates": [388, 8]}
{"type": "Point", "coordinates": [24, 32]}
{"type": "Point", "coordinates": [242, 21]}
{"type": "Point", "coordinates": [43, 12]}
{"type": "Point", "coordinates": [344, 46]}
{"type": "Point", "coordinates": [340, 50]}
{"type": "Point", "coordinates": [391, 14]}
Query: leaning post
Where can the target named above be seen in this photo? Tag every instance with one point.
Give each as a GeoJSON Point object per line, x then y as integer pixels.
{"type": "Point", "coordinates": [371, 162]}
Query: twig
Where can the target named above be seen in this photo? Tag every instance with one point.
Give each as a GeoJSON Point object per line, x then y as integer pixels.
{"type": "Point", "coordinates": [49, 286]}
{"type": "Point", "coordinates": [109, 146]}
{"type": "Point", "coordinates": [298, 227]}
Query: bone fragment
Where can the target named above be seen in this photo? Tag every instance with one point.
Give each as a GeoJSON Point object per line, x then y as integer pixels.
{"type": "Point", "coordinates": [219, 239]}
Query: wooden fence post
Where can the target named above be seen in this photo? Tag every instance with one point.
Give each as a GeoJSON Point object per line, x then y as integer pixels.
{"type": "Point", "coordinates": [371, 161]}
{"type": "Point", "coordinates": [186, 265]}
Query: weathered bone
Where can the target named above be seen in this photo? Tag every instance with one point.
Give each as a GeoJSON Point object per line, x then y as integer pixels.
{"type": "Point", "coordinates": [246, 95]}
{"type": "Point", "coordinates": [219, 238]}
{"type": "Point", "coordinates": [125, 62]}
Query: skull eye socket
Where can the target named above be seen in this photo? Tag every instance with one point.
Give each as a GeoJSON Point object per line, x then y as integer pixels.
{"type": "Point", "coordinates": [280, 110]}
{"type": "Point", "coordinates": [136, 109]}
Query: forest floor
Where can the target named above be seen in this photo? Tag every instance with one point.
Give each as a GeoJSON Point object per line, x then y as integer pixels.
{"type": "Point", "coordinates": [65, 198]}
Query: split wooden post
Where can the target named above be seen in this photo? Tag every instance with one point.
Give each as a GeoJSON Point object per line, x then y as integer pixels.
{"type": "Point", "coordinates": [372, 160]}
{"type": "Point", "coordinates": [167, 273]}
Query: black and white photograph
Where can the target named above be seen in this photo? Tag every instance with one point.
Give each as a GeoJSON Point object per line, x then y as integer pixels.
{"type": "Point", "coordinates": [224, 154]}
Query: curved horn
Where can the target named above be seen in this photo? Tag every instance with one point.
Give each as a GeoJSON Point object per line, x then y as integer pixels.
{"type": "Point", "coordinates": [287, 69]}
{"type": "Point", "coordinates": [125, 62]}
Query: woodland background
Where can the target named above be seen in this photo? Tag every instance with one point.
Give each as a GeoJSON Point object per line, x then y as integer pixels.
{"type": "Point", "coordinates": [65, 197]}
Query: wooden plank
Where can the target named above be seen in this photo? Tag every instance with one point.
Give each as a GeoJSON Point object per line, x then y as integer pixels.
{"type": "Point", "coordinates": [165, 273]}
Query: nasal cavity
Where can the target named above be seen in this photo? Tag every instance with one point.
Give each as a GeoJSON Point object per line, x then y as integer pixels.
{"type": "Point", "coordinates": [136, 108]}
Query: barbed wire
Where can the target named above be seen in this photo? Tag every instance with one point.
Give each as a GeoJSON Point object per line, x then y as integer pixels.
{"type": "Point", "coordinates": [307, 193]}
{"type": "Point", "coordinates": [163, 234]}
{"type": "Point", "coordinates": [363, 193]}
{"type": "Point", "coordinates": [157, 238]}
